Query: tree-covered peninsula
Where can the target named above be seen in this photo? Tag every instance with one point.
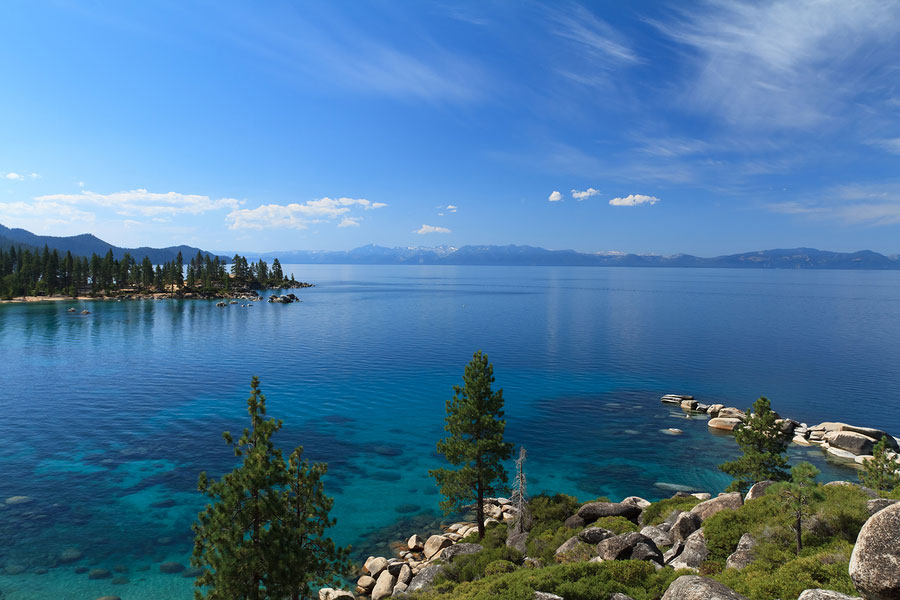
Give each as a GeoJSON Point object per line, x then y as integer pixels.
{"type": "Point", "coordinates": [24, 273]}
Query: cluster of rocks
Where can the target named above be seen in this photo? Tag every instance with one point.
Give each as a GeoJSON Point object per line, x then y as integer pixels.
{"type": "Point", "coordinates": [417, 561]}
{"type": "Point", "coordinates": [848, 442]}
{"type": "Point", "coordinates": [285, 299]}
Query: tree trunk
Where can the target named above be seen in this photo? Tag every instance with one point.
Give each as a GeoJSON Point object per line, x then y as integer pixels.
{"type": "Point", "coordinates": [479, 510]}
{"type": "Point", "coordinates": [798, 529]}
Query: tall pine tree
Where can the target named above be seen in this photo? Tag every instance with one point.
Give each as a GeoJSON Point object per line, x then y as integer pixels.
{"type": "Point", "coordinates": [763, 444]}
{"type": "Point", "coordinates": [475, 445]}
{"type": "Point", "coordinates": [262, 535]}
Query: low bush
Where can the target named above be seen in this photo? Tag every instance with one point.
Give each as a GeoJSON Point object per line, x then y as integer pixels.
{"type": "Point", "coordinates": [617, 525]}
{"type": "Point", "coordinates": [499, 566]}
{"type": "Point", "coordinates": [658, 512]}
{"type": "Point", "coordinates": [470, 567]}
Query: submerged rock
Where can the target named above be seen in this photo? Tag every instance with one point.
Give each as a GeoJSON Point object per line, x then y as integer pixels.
{"type": "Point", "coordinates": [171, 567]}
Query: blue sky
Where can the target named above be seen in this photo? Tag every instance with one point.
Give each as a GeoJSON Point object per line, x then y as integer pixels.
{"type": "Point", "coordinates": [707, 128]}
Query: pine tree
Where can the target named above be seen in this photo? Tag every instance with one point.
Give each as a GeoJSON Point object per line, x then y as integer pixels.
{"type": "Point", "coordinates": [799, 493]}
{"type": "Point", "coordinates": [475, 445]}
{"type": "Point", "coordinates": [763, 444]}
{"type": "Point", "coordinates": [880, 472]}
{"type": "Point", "coordinates": [261, 535]}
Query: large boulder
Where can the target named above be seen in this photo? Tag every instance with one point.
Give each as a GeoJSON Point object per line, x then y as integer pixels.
{"type": "Point", "coordinates": [518, 541]}
{"type": "Point", "coordinates": [384, 587]}
{"type": "Point", "coordinates": [724, 423]}
{"type": "Point", "coordinates": [424, 579]}
{"type": "Point", "coordinates": [694, 587]}
{"type": "Point", "coordinates": [595, 535]}
{"type": "Point", "coordinates": [415, 543]}
{"type": "Point", "coordinates": [660, 536]}
{"type": "Point", "coordinates": [824, 595]}
{"type": "Point", "coordinates": [875, 561]}
{"type": "Point", "coordinates": [365, 584]}
{"type": "Point", "coordinates": [405, 575]}
{"type": "Point", "coordinates": [566, 549]}
{"type": "Point", "coordinates": [625, 546]}
{"type": "Point", "coordinates": [592, 511]}
{"type": "Point", "coordinates": [546, 596]}
{"type": "Point", "coordinates": [757, 490]}
{"type": "Point", "coordinates": [575, 522]}
{"type": "Point", "coordinates": [871, 432]}
{"type": "Point", "coordinates": [455, 550]}
{"type": "Point", "coordinates": [333, 594]}
{"type": "Point", "coordinates": [694, 553]}
{"type": "Point", "coordinates": [637, 501]}
{"type": "Point", "coordinates": [685, 524]}
{"type": "Point", "coordinates": [435, 544]}
{"type": "Point", "coordinates": [375, 566]}
{"type": "Point", "coordinates": [732, 413]}
{"type": "Point", "coordinates": [743, 555]}
{"type": "Point", "coordinates": [850, 441]}
{"type": "Point", "coordinates": [731, 501]}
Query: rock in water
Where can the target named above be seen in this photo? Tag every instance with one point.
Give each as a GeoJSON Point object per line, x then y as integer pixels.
{"type": "Point", "coordinates": [171, 567]}
{"type": "Point", "coordinates": [850, 441]}
{"type": "Point", "coordinates": [694, 587]}
{"type": "Point", "coordinates": [724, 423]}
{"type": "Point", "coordinates": [722, 502]}
{"type": "Point", "coordinates": [875, 562]}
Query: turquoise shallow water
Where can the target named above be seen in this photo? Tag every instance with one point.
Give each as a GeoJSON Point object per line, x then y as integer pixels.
{"type": "Point", "coordinates": [109, 417]}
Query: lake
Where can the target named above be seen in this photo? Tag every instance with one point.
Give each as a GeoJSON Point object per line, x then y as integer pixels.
{"type": "Point", "coordinates": [109, 417]}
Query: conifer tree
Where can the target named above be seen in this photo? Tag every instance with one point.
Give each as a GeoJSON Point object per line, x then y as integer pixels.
{"type": "Point", "coordinates": [763, 444]}
{"type": "Point", "coordinates": [799, 494]}
{"type": "Point", "coordinates": [880, 472]}
{"type": "Point", "coordinates": [261, 536]}
{"type": "Point", "coordinates": [475, 445]}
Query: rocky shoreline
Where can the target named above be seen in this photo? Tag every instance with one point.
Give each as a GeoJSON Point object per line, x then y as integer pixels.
{"type": "Point", "coordinates": [251, 295]}
{"type": "Point", "coordinates": [848, 443]}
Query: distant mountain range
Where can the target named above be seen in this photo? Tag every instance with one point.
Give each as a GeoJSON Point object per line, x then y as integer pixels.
{"type": "Point", "coordinates": [87, 244]}
{"type": "Point", "coordinates": [796, 258]}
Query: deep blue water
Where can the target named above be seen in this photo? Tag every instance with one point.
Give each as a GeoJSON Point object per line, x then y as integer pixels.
{"type": "Point", "coordinates": [108, 418]}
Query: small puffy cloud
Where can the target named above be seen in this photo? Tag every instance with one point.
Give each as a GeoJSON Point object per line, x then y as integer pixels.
{"type": "Point", "coordinates": [349, 222]}
{"type": "Point", "coordinates": [299, 216]}
{"type": "Point", "coordinates": [633, 200]}
{"type": "Point", "coordinates": [14, 177]}
{"type": "Point", "coordinates": [451, 208]}
{"type": "Point", "coordinates": [555, 196]}
{"type": "Point", "coordinates": [581, 195]}
{"type": "Point", "coordinates": [431, 229]}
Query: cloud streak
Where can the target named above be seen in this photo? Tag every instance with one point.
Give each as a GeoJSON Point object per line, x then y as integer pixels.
{"type": "Point", "coordinates": [141, 202]}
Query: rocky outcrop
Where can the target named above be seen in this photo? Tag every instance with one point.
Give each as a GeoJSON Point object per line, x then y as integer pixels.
{"type": "Point", "coordinates": [730, 501]}
{"type": "Point", "coordinates": [629, 546]}
{"type": "Point", "coordinates": [546, 596]}
{"type": "Point", "coordinates": [757, 490]}
{"type": "Point", "coordinates": [743, 555]}
{"type": "Point", "coordinates": [425, 578]}
{"type": "Point", "coordinates": [876, 504]}
{"type": "Point", "coordinates": [875, 561]}
{"type": "Point", "coordinates": [824, 595]}
{"type": "Point", "coordinates": [595, 535]}
{"type": "Point", "coordinates": [592, 511]}
{"type": "Point", "coordinates": [694, 587]}
{"type": "Point", "coordinates": [435, 544]}
{"type": "Point", "coordinates": [451, 552]}
{"type": "Point", "coordinates": [850, 441]}
{"type": "Point", "coordinates": [660, 536]}
{"type": "Point", "coordinates": [675, 399]}
{"type": "Point", "coordinates": [637, 501]}
{"type": "Point", "coordinates": [375, 565]}
{"type": "Point", "coordinates": [693, 554]}
{"type": "Point", "coordinates": [333, 594]}
{"type": "Point", "coordinates": [732, 413]}
{"type": "Point", "coordinates": [567, 549]}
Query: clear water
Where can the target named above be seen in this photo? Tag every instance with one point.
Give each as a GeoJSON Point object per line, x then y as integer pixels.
{"type": "Point", "coordinates": [108, 418]}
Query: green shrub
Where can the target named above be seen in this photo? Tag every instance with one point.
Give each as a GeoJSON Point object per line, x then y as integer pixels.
{"type": "Point", "coordinates": [578, 581]}
{"type": "Point", "coordinates": [827, 569]}
{"type": "Point", "coordinates": [543, 544]}
{"type": "Point", "coordinates": [549, 512]}
{"type": "Point", "coordinates": [617, 525]}
{"type": "Point", "coordinates": [494, 536]}
{"type": "Point", "coordinates": [470, 567]}
{"type": "Point", "coordinates": [658, 512]}
{"type": "Point", "coordinates": [724, 529]}
{"type": "Point", "coordinates": [499, 566]}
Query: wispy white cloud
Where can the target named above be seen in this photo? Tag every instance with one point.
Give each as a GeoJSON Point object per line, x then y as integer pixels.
{"type": "Point", "coordinates": [350, 222]}
{"type": "Point", "coordinates": [37, 214]}
{"type": "Point", "coordinates": [852, 204]}
{"type": "Point", "coordinates": [789, 64]}
{"type": "Point", "coordinates": [141, 202]}
{"type": "Point", "coordinates": [597, 37]}
{"type": "Point", "coordinates": [555, 196]}
{"type": "Point", "coordinates": [581, 195]}
{"type": "Point", "coordinates": [451, 208]}
{"type": "Point", "coordinates": [424, 229]}
{"type": "Point", "coordinates": [634, 200]}
{"type": "Point", "coordinates": [891, 145]}
{"type": "Point", "coordinates": [299, 216]}
{"type": "Point", "coordinates": [14, 177]}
